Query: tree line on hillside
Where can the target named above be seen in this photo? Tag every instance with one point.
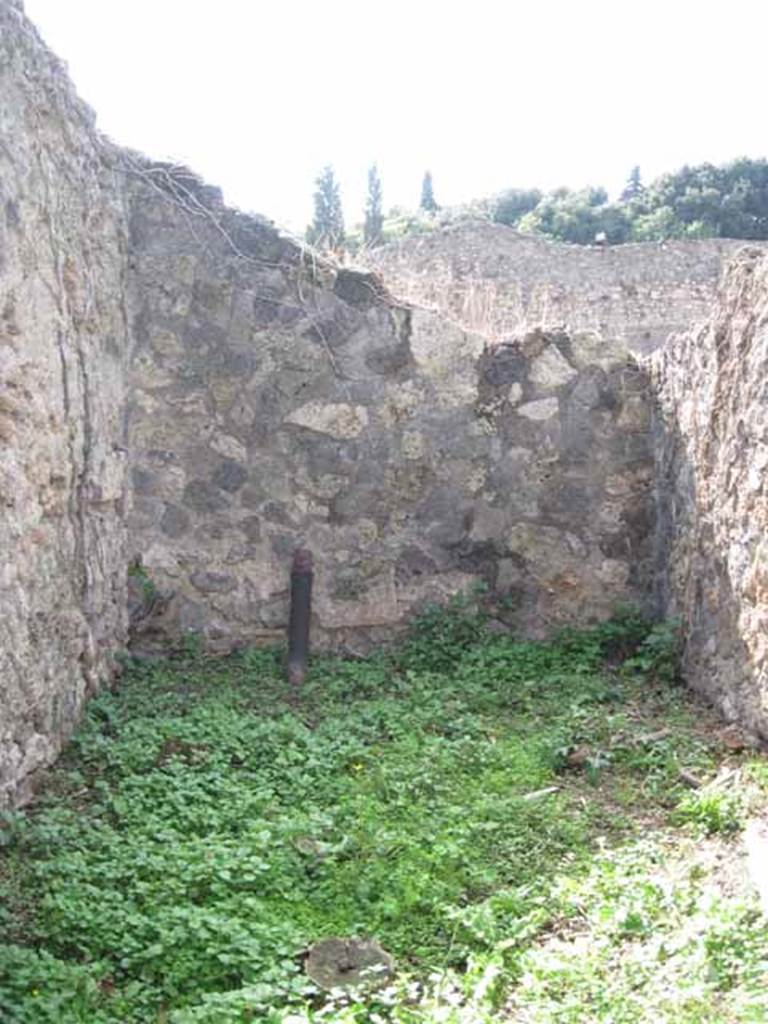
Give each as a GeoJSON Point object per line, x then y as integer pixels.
{"type": "Point", "coordinates": [705, 201]}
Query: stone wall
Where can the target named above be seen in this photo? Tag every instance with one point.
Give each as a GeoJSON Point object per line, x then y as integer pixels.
{"type": "Point", "coordinates": [493, 280]}
{"type": "Point", "coordinates": [62, 378]}
{"type": "Point", "coordinates": [712, 460]}
{"type": "Point", "coordinates": [261, 399]}
{"type": "Point", "coordinates": [186, 390]}
{"type": "Point", "coordinates": [277, 402]}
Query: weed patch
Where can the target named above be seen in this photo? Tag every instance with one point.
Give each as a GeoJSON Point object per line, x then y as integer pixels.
{"type": "Point", "coordinates": [477, 805]}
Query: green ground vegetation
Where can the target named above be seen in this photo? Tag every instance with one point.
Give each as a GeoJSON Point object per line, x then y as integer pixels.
{"type": "Point", "coordinates": [507, 818]}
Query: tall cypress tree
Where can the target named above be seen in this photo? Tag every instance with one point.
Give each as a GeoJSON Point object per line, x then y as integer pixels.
{"type": "Point", "coordinates": [374, 219]}
{"type": "Point", "coordinates": [327, 228]}
{"type": "Point", "coordinates": [428, 195]}
{"type": "Point", "coordinates": [634, 188]}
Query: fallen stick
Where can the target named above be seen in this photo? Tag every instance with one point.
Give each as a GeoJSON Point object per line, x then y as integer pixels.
{"type": "Point", "coordinates": [730, 775]}
{"type": "Point", "coordinates": [690, 779]}
{"type": "Point", "coordinates": [651, 737]}
{"type": "Point", "coordinates": [541, 792]}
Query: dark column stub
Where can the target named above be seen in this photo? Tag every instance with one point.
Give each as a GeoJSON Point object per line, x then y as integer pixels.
{"type": "Point", "coordinates": [301, 609]}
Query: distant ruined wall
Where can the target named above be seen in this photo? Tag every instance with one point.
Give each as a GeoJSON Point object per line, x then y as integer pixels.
{"type": "Point", "coordinates": [276, 403]}
{"type": "Point", "coordinates": [63, 350]}
{"type": "Point", "coordinates": [712, 472]}
{"type": "Point", "coordinates": [500, 283]}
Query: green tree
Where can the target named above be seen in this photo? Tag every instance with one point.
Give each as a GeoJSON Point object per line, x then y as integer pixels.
{"type": "Point", "coordinates": [578, 217]}
{"type": "Point", "coordinates": [428, 194]}
{"type": "Point", "coordinates": [327, 228]}
{"type": "Point", "coordinates": [745, 199]}
{"type": "Point", "coordinates": [634, 189]}
{"type": "Point", "coordinates": [657, 225]}
{"type": "Point", "coordinates": [511, 205]}
{"type": "Point", "coordinates": [374, 218]}
{"type": "Point", "coordinates": [726, 201]}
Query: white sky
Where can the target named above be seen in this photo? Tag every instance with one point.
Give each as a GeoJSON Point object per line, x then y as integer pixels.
{"type": "Point", "coordinates": [256, 95]}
